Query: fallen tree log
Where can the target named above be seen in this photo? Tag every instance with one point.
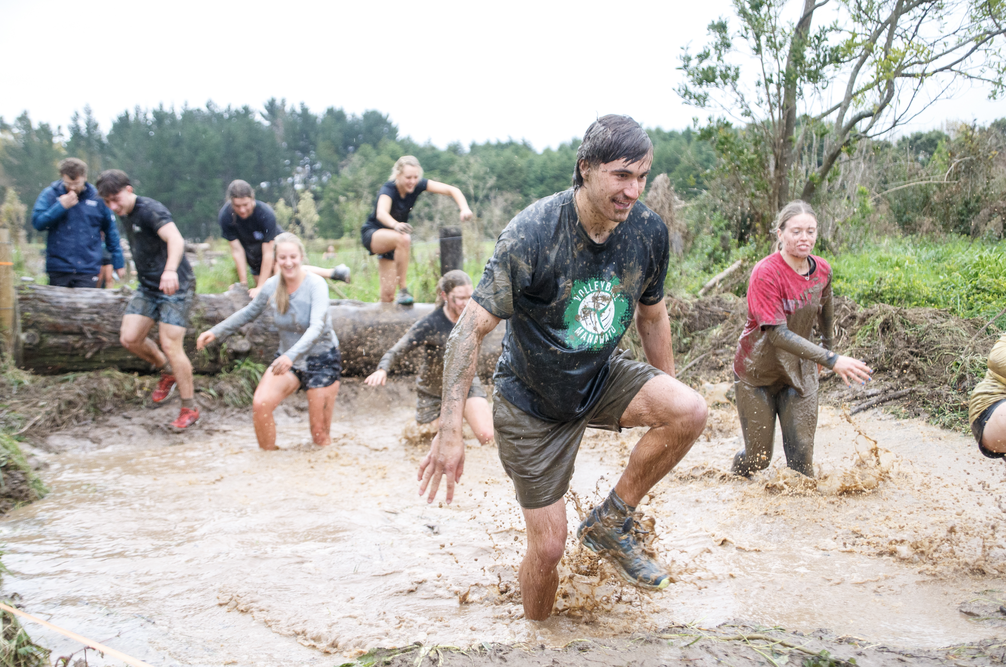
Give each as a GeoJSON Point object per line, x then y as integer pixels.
{"type": "Point", "coordinates": [66, 330]}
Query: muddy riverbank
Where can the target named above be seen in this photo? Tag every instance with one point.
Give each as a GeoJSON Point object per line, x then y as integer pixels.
{"type": "Point", "coordinates": [199, 549]}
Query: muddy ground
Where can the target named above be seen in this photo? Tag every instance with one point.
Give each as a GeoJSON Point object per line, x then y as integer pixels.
{"type": "Point", "coordinates": [199, 549]}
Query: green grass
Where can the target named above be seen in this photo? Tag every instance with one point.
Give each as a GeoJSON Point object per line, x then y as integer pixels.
{"type": "Point", "coordinates": [966, 278]}
{"type": "Point", "coordinates": [424, 270]}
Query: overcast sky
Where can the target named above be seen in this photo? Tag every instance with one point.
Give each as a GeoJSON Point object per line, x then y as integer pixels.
{"type": "Point", "coordinates": [443, 71]}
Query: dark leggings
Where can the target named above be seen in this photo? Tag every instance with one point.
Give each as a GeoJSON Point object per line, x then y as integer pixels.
{"type": "Point", "coordinates": [758, 408]}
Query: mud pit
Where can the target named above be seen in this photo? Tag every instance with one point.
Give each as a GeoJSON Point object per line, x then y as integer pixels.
{"type": "Point", "coordinates": [201, 550]}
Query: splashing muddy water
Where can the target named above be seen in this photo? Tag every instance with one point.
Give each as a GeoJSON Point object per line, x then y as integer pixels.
{"type": "Point", "coordinates": [199, 549]}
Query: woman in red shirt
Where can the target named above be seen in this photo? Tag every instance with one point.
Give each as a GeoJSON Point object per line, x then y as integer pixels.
{"type": "Point", "coordinates": [776, 365]}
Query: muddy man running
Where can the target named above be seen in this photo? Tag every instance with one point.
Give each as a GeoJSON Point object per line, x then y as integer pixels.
{"type": "Point", "coordinates": [570, 273]}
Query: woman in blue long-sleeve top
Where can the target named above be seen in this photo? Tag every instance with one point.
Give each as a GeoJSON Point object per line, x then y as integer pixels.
{"type": "Point", "coordinates": [308, 356]}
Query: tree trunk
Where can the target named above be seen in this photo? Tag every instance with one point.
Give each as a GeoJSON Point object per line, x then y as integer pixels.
{"type": "Point", "coordinates": [786, 142]}
{"type": "Point", "coordinates": [65, 330]}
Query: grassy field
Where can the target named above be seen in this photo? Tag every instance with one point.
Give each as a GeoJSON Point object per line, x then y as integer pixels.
{"type": "Point", "coordinates": [424, 267]}
{"type": "Point", "coordinates": [964, 277]}
{"type": "Point", "coordinates": [967, 278]}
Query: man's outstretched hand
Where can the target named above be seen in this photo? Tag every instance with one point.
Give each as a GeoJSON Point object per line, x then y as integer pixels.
{"type": "Point", "coordinates": [447, 460]}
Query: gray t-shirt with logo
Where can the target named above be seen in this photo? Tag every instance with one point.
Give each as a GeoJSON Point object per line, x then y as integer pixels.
{"type": "Point", "coordinates": [568, 300]}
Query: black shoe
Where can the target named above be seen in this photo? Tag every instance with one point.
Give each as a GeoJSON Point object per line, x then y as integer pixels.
{"type": "Point", "coordinates": [612, 534]}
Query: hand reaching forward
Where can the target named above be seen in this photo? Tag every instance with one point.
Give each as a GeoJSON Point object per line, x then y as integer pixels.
{"type": "Point", "coordinates": [447, 460]}
{"type": "Point", "coordinates": [848, 368]}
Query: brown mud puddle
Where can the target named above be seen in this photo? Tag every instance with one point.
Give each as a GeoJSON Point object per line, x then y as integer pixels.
{"type": "Point", "coordinates": [198, 549]}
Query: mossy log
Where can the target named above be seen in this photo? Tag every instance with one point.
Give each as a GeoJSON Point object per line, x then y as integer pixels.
{"type": "Point", "coordinates": [66, 330]}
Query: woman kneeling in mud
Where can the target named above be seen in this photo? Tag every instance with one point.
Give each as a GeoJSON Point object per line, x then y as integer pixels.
{"type": "Point", "coordinates": [453, 292]}
{"type": "Point", "coordinates": [776, 365]}
{"type": "Point", "coordinates": [310, 361]}
{"type": "Point", "coordinates": [987, 417]}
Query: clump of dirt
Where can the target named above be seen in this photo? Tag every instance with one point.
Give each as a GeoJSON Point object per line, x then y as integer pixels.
{"type": "Point", "coordinates": [418, 435]}
{"type": "Point", "coordinates": [924, 358]}
{"type": "Point", "coordinates": [37, 405]}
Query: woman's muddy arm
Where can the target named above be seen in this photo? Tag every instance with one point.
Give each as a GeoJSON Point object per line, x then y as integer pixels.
{"type": "Point", "coordinates": [826, 321]}
{"type": "Point", "coordinates": [447, 452]}
{"type": "Point", "coordinates": [782, 338]}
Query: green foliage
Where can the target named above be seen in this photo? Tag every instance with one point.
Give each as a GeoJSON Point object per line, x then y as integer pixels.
{"type": "Point", "coordinates": [236, 385]}
{"type": "Point", "coordinates": [12, 458]}
{"type": "Point", "coordinates": [28, 157]}
{"type": "Point", "coordinates": [825, 659]}
{"type": "Point", "coordinates": [16, 647]}
{"type": "Point", "coordinates": [968, 279]}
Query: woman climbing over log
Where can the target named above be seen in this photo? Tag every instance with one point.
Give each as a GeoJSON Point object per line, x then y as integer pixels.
{"type": "Point", "coordinates": [454, 290]}
{"type": "Point", "coordinates": [308, 357]}
{"type": "Point", "coordinates": [776, 366]}
{"type": "Point", "coordinates": [387, 231]}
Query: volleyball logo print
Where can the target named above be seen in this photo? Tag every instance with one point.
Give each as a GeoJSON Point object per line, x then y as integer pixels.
{"type": "Point", "coordinates": [596, 314]}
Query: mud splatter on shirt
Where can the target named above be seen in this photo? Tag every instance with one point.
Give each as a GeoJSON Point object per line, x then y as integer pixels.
{"type": "Point", "coordinates": [568, 300]}
{"type": "Point", "coordinates": [779, 295]}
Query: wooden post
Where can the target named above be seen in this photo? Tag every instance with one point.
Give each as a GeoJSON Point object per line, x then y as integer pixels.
{"type": "Point", "coordinates": [451, 251]}
{"type": "Point", "coordinates": [9, 334]}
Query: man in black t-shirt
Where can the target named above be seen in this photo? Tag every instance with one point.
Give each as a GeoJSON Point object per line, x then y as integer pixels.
{"type": "Point", "coordinates": [570, 273]}
{"type": "Point", "coordinates": [166, 292]}
{"type": "Point", "coordinates": [250, 227]}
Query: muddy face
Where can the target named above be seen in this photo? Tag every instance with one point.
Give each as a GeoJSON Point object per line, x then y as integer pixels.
{"type": "Point", "coordinates": [199, 549]}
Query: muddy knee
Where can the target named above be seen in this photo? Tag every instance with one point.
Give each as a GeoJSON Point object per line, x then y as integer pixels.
{"type": "Point", "coordinates": [547, 553]}
{"type": "Point", "coordinates": [128, 342]}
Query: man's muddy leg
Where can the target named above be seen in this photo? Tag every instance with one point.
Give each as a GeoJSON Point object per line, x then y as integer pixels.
{"type": "Point", "coordinates": [271, 391]}
{"type": "Point", "coordinates": [546, 542]}
{"type": "Point", "coordinates": [676, 415]}
{"type": "Point", "coordinates": [798, 419]}
{"type": "Point", "coordinates": [172, 344]}
{"type": "Point", "coordinates": [756, 407]}
{"type": "Point", "coordinates": [320, 403]}
{"type": "Point", "coordinates": [133, 336]}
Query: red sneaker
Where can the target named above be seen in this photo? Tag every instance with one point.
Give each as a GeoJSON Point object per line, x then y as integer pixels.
{"type": "Point", "coordinates": [163, 389]}
{"type": "Point", "coordinates": [187, 417]}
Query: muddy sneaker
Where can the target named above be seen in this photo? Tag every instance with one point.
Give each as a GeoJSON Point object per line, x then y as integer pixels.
{"type": "Point", "coordinates": [187, 417]}
{"type": "Point", "coordinates": [163, 389]}
{"type": "Point", "coordinates": [614, 533]}
{"type": "Point", "coordinates": [404, 298]}
{"type": "Point", "coordinates": [340, 272]}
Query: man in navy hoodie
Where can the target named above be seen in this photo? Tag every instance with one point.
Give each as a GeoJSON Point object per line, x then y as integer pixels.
{"type": "Point", "coordinates": [75, 217]}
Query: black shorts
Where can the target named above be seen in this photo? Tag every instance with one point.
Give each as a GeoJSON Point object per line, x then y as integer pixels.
{"type": "Point", "coordinates": [72, 280]}
{"type": "Point", "coordinates": [320, 370]}
{"type": "Point", "coordinates": [978, 429]}
{"type": "Point", "coordinates": [367, 233]}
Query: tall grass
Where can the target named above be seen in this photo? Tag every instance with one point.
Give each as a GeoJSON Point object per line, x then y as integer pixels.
{"type": "Point", "coordinates": [967, 278]}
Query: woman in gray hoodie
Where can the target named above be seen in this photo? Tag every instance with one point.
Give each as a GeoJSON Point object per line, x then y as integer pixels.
{"type": "Point", "coordinates": [308, 356]}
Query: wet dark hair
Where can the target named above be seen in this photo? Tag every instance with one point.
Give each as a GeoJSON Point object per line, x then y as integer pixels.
{"type": "Point", "coordinates": [448, 282]}
{"type": "Point", "coordinates": [611, 138]}
{"type": "Point", "coordinates": [239, 189]}
{"type": "Point", "coordinates": [111, 182]}
{"type": "Point", "coordinates": [73, 168]}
